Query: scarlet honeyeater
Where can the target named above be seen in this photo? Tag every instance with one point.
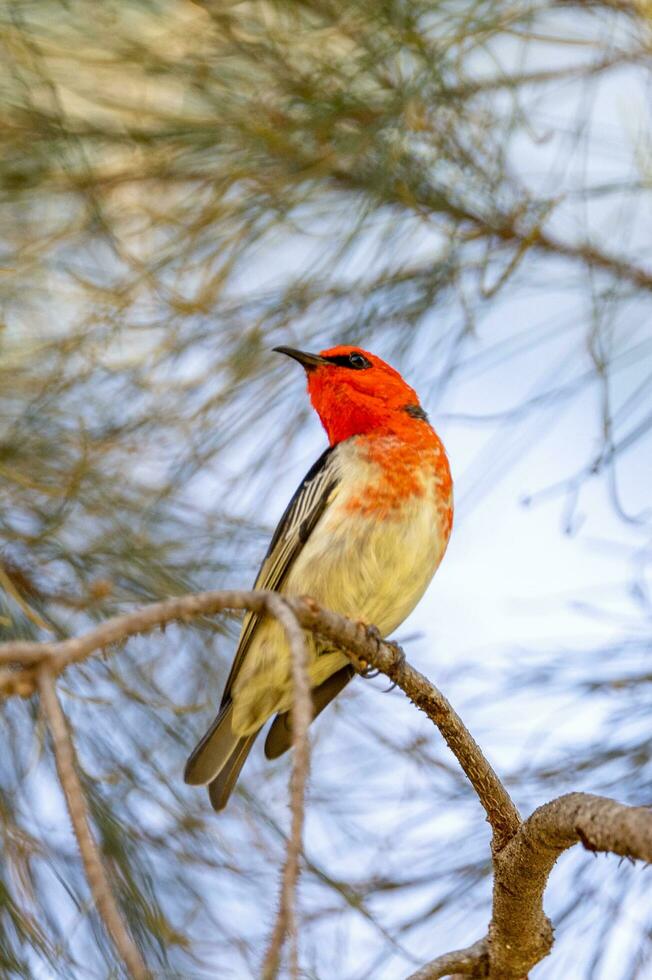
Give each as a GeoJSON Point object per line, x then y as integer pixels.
{"type": "Point", "coordinates": [363, 535]}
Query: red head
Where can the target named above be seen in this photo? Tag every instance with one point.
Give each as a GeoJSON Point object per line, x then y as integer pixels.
{"type": "Point", "coordinates": [354, 392]}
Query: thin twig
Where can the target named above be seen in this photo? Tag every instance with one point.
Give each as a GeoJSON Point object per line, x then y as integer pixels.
{"type": "Point", "coordinates": [98, 882]}
{"type": "Point", "coordinates": [117, 629]}
{"type": "Point", "coordinates": [286, 920]}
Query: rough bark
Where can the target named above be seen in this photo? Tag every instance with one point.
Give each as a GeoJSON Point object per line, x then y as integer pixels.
{"type": "Point", "coordinates": [460, 962]}
{"type": "Point", "coordinates": [520, 934]}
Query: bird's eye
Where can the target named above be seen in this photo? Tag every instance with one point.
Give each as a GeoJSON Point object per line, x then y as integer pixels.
{"type": "Point", "coordinates": [355, 360]}
{"type": "Point", "coordinates": [358, 361]}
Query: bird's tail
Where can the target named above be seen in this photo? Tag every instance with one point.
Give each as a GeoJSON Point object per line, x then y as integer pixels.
{"type": "Point", "coordinates": [218, 758]}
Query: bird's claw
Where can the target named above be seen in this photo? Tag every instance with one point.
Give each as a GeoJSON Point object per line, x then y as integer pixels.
{"type": "Point", "coordinates": [399, 653]}
{"type": "Point", "coordinates": [372, 632]}
{"type": "Point", "coordinates": [399, 661]}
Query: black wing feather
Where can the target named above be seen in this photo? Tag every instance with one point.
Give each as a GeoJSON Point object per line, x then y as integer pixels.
{"type": "Point", "coordinates": [293, 530]}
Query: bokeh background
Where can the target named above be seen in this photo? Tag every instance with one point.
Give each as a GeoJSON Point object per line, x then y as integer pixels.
{"type": "Point", "coordinates": [464, 189]}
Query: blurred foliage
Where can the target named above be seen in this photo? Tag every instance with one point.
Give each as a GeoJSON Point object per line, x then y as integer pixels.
{"type": "Point", "coordinates": [182, 186]}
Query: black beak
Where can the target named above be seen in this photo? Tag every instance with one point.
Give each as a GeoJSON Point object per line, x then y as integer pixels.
{"type": "Point", "coordinates": [308, 361]}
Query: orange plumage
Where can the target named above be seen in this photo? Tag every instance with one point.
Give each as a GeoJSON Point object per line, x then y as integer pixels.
{"type": "Point", "coordinates": [372, 403]}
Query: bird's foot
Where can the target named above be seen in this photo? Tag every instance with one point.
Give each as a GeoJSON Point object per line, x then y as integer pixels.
{"type": "Point", "coordinates": [399, 660]}
{"type": "Point", "coordinates": [372, 632]}
{"type": "Point", "coordinates": [398, 651]}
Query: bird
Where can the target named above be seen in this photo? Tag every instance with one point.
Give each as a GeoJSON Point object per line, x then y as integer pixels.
{"type": "Point", "coordinates": [363, 535]}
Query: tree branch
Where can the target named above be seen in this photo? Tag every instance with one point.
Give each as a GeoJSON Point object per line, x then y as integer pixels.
{"type": "Point", "coordinates": [117, 629]}
{"type": "Point", "coordinates": [520, 935]}
{"type": "Point", "coordinates": [361, 645]}
{"type": "Point", "coordinates": [286, 920]}
{"type": "Point", "coordinates": [464, 962]}
{"type": "Point", "coordinates": [98, 882]}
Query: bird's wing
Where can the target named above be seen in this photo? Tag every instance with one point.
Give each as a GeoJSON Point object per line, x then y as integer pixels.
{"type": "Point", "coordinates": [301, 515]}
